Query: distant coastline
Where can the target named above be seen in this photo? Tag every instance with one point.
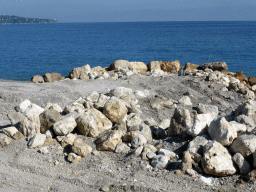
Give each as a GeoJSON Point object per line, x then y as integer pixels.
{"type": "Point", "coordinates": [6, 19]}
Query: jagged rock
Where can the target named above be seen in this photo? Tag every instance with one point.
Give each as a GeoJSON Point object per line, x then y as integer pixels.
{"type": "Point", "coordinates": [138, 140]}
{"type": "Point", "coordinates": [64, 126]}
{"type": "Point", "coordinates": [150, 122]}
{"type": "Point", "coordinates": [30, 126]}
{"type": "Point", "coordinates": [138, 151]}
{"type": "Point", "coordinates": [190, 66]}
{"type": "Point", "coordinates": [84, 76]}
{"type": "Point", "coordinates": [73, 158]}
{"type": "Point", "coordinates": [78, 107]}
{"type": "Point", "coordinates": [12, 132]}
{"type": "Point", "coordinates": [169, 154]}
{"type": "Point", "coordinates": [185, 100]}
{"type": "Point", "coordinates": [92, 123]}
{"type": "Point", "coordinates": [101, 101]}
{"type": "Point", "coordinates": [220, 130]}
{"type": "Point", "coordinates": [247, 120]}
{"type": "Point", "coordinates": [248, 109]}
{"type": "Point", "coordinates": [252, 80]}
{"type": "Point", "coordinates": [179, 122]}
{"type": "Point", "coordinates": [120, 64]}
{"type": "Point", "coordinates": [216, 66]}
{"type": "Point", "coordinates": [76, 72]}
{"type": "Point", "coordinates": [4, 140]}
{"type": "Point", "coordinates": [48, 118]}
{"type": "Point", "coordinates": [250, 95]}
{"type": "Point", "coordinates": [204, 109]}
{"type": "Point", "coordinates": [154, 66]}
{"type": "Point", "coordinates": [37, 140]}
{"type": "Point", "coordinates": [162, 104]}
{"type": "Point", "coordinates": [170, 66]}
{"type": "Point", "coordinates": [202, 121]}
{"type": "Point", "coordinates": [49, 142]}
{"type": "Point", "coordinates": [217, 160]}
{"type": "Point", "coordinates": [93, 97]}
{"type": "Point", "coordinates": [68, 140]}
{"type": "Point", "coordinates": [159, 161]}
{"type": "Point", "coordinates": [47, 77]}
{"type": "Point", "coordinates": [80, 148]}
{"type": "Point", "coordinates": [241, 76]}
{"type": "Point", "coordinates": [165, 124]}
{"type": "Point", "coordinates": [34, 110]}
{"type": "Point", "coordinates": [53, 106]}
{"type": "Point", "coordinates": [37, 79]}
{"type": "Point", "coordinates": [98, 70]}
{"type": "Point", "coordinates": [149, 148]}
{"type": "Point", "coordinates": [244, 144]}
{"type": "Point", "coordinates": [43, 150]}
{"type": "Point", "coordinates": [238, 126]}
{"type": "Point", "coordinates": [109, 141]}
{"type": "Point", "coordinates": [186, 162]}
{"type": "Point", "coordinates": [139, 66]}
{"type": "Point", "coordinates": [115, 110]}
{"type": "Point", "coordinates": [160, 133]}
{"type": "Point", "coordinates": [144, 130]}
{"type": "Point", "coordinates": [197, 144]}
{"type": "Point", "coordinates": [22, 107]}
{"type": "Point", "coordinates": [56, 77]}
{"type": "Point", "coordinates": [121, 126]}
{"type": "Point", "coordinates": [15, 118]}
{"type": "Point", "coordinates": [150, 155]}
{"type": "Point", "coordinates": [122, 148]}
{"type": "Point", "coordinates": [122, 93]}
{"type": "Point", "coordinates": [243, 165]}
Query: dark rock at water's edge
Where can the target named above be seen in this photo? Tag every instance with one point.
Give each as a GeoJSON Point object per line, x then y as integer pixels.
{"type": "Point", "coordinates": [7, 19]}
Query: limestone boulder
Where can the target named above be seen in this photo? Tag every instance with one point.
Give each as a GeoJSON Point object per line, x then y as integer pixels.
{"type": "Point", "coordinates": [76, 72]}
{"type": "Point", "coordinates": [138, 140]}
{"type": "Point", "coordinates": [204, 109]}
{"type": "Point", "coordinates": [37, 140]}
{"type": "Point", "coordinates": [216, 66]}
{"type": "Point", "coordinates": [133, 120]}
{"type": "Point", "coordinates": [190, 66]}
{"type": "Point", "coordinates": [169, 154]}
{"type": "Point", "coordinates": [243, 165]}
{"type": "Point", "coordinates": [109, 141]}
{"type": "Point", "coordinates": [185, 100]}
{"type": "Point", "coordinates": [34, 110]}
{"type": "Point", "coordinates": [37, 79]}
{"type": "Point", "coordinates": [69, 139]}
{"type": "Point", "coordinates": [241, 76]}
{"type": "Point", "coordinates": [30, 126]}
{"type": "Point", "coordinates": [201, 123]}
{"type": "Point", "coordinates": [248, 109]}
{"type": "Point", "coordinates": [239, 127]}
{"type": "Point", "coordinates": [48, 118]}
{"type": "Point", "coordinates": [56, 77]}
{"type": "Point", "coordinates": [92, 123]}
{"type": "Point", "coordinates": [244, 144]}
{"type": "Point", "coordinates": [16, 118]}
{"type": "Point", "coordinates": [129, 135]}
{"type": "Point", "coordinates": [144, 130]}
{"type": "Point", "coordinates": [47, 77]}
{"type": "Point", "coordinates": [120, 64]}
{"type": "Point", "coordinates": [180, 121]}
{"type": "Point", "coordinates": [139, 66]}
{"type": "Point", "coordinates": [80, 148]}
{"type": "Point", "coordinates": [12, 132]}
{"type": "Point", "coordinates": [73, 158]}
{"type": "Point", "coordinates": [99, 70]}
{"type": "Point", "coordinates": [64, 126]}
{"type": "Point", "coordinates": [53, 106]}
{"type": "Point", "coordinates": [154, 66]}
{"type": "Point", "coordinates": [122, 148]}
{"type": "Point", "coordinates": [246, 120]}
{"type": "Point", "coordinates": [22, 107]}
{"type": "Point", "coordinates": [220, 130]}
{"type": "Point", "coordinates": [78, 107]}
{"type": "Point", "coordinates": [115, 110]}
{"type": "Point", "coordinates": [4, 140]}
{"type": "Point", "coordinates": [186, 162]}
{"type": "Point", "coordinates": [217, 160]}
{"type": "Point", "coordinates": [170, 66]}
{"type": "Point", "coordinates": [122, 93]}
{"type": "Point", "coordinates": [101, 101]}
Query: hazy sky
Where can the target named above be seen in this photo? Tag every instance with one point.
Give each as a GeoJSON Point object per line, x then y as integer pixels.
{"type": "Point", "coordinates": [131, 10]}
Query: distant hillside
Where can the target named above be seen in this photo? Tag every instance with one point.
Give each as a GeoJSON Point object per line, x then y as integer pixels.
{"type": "Point", "coordinates": [6, 19]}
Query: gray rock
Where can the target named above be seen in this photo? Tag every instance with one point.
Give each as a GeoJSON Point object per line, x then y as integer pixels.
{"type": "Point", "coordinates": [159, 161]}
{"type": "Point", "coordinates": [243, 165]}
{"type": "Point", "coordinates": [221, 131]}
{"type": "Point", "coordinates": [203, 109]}
{"type": "Point", "coordinates": [151, 155]}
{"type": "Point", "coordinates": [122, 148]}
{"type": "Point", "coordinates": [197, 144]}
{"type": "Point", "coordinates": [78, 107]}
{"type": "Point", "coordinates": [138, 151]}
{"type": "Point", "coordinates": [37, 140]}
{"type": "Point", "coordinates": [16, 118]}
{"type": "Point", "coordinates": [134, 120]}
{"type": "Point", "coordinates": [169, 154]}
{"type": "Point", "coordinates": [48, 118]}
{"type": "Point", "coordinates": [68, 140]}
{"type": "Point", "coordinates": [138, 140]}
{"type": "Point", "coordinates": [122, 93]}
{"type": "Point", "coordinates": [30, 126]}
{"type": "Point", "coordinates": [248, 121]}
{"type": "Point", "coordinates": [239, 127]}
{"type": "Point", "coordinates": [185, 100]}
{"type": "Point", "coordinates": [244, 144]}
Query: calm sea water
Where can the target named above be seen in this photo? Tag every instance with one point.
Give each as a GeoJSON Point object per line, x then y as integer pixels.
{"type": "Point", "coordinates": [35, 49]}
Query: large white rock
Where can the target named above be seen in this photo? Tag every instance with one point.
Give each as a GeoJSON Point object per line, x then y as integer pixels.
{"type": "Point", "coordinates": [169, 154]}
{"type": "Point", "coordinates": [64, 126]}
{"type": "Point", "coordinates": [202, 121]}
{"type": "Point", "coordinates": [30, 126]}
{"type": "Point", "coordinates": [92, 123]}
{"type": "Point", "coordinates": [239, 127]}
{"type": "Point", "coordinates": [12, 132]}
{"type": "Point", "coordinates": [221, 131]}
{"type": "Point", "coordinates": [139, 66]}
{"type": "Point", "coordinates": [204, 109]}
{"type": "Point", "coordinates": [115, 110]}
{"type": "Point", "coordinates": [37, 140]}
{"type": "Point", "coordinates": [217, 160]}
{"type": "Point", "coordinates": [34, 110]}
{"type": "Point", "coordinates": [22, 107]}
{"type": "Point", "coordinates": [122, 93]}
{"type": "Point", "coordinates": [78, 107]}
{"type": "Point", "coordinates": [243, 165]}
{"type": "Point", "coordinates": [185, 100]}
{"type": "Point", "coordinates": [244, 144]}
{"type": "Point", "coordinates": [246, 120]}
{"type": "Point", "coordinates": [159, 161]}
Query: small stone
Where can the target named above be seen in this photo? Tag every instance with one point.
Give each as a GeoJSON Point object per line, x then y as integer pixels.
{"type": "Point", "coordinates": [80, 148]}
{"type": "Point", "coordinates": [191, 172]}
{"type": "Point", "coordinates": [150, 155]}
{"type": "Point", "coordinates": [73, 158]}
{"type": "Point", "coordinates": [179, 173]}
{"type": "Point", "coordinates": [4, 140]}
{"type": "Point", "coordinates": [186, 162]}
{"type": "Point", "coordinates": [68, 140]}
{"type": "Point", "coordinates": [37, 140]}
{"type": "Point", "coordinates": [138, 150]}
{"type": "Point", "coordinates": [43, 150]}
{"type": "Point", "coordinates": [138, 140]}
{"type": "Point", "coordinates": [185, 100]}
{"type": "Point", "coordinates": [105, 188]}
{"type": "Point", "coordinates": [96, 153]}
{"type": "Point", "coordinates": [169, 154]}
{"type": "Point", "coordinates": [159, 161]}
{"type": "Point", "coordinates": [206, 180]}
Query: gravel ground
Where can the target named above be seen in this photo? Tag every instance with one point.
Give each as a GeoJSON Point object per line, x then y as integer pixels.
{"type": "Point", "coordinates": [23, 169]}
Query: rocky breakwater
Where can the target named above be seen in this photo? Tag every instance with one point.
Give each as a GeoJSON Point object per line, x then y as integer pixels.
{"type": "Point", "coordinates": [212, 142]}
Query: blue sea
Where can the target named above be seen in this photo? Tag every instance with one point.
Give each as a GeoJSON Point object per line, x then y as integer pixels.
{"type": "Point", "coordinates": [35, 49]}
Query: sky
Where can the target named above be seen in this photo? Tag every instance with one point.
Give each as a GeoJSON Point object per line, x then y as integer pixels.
{"type": "Point", "coordinates": [131, 10]}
